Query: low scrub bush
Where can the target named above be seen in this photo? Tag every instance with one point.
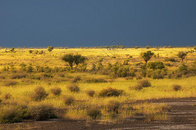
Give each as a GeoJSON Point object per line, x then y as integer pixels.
{"type": "Point", "coordinates": [10, 83]}
{"type": "Point", "coordinates": [176, 87]}
{"type": "Point", "coordinates": [68, 100]}
{"type": "Point", "coordinates": [56, 91]}
{"type": "Point", "coordinates": [94, 113]}
{"type": "Point", "coordinates": [11, 114]}
{"type": "Point", "coordinates": [39, 94]}
{"type": "Point", "coordinates": [144, 83]}
{"type": "Point", "coordinates": [18, 76]}
{"type": "Point", "coordinates": [110, 92]}
{"type": "Point", "coordinates": [113, 107]}
{"type": "Point", "coordinates": [7, 96]}
{"type": "Point", "coordinates": [90, 92]}
{"type": "Point", "coordinates": [95, 80]}
{"type": "Point", "coordinates": [41, 111]}
{"type": "Point", "coordinates": [73, 88]}
{"type": "Point", "coordinates": [76, 79]}
{"type": "Point", "coordinates": [171, 59]}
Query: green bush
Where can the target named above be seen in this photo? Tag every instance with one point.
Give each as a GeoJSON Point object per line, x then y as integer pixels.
{"type": "Point", "coordinates": [11, 114]}
{"type": "Point", "coordinates": [76, 79]}
{"type": "Point", "coordinates": [176, 87]}
{"type": "Point", "coordinates": [94, 113]}
{"type": "Point", "coordinates": [113, 107]}
{"type": "Point", "coordinates": [90, 92]}
{"type": "Point", "coordinates": [144, 83]}
{"type": "Point", "coordinates": [73, 88]}
{"type": "Point", "coordinates": [155, 65]}
{"type": "Point", "coordinates": [41, 112]}
{"type": "Point", "coordinates": [110, 92]}
{"type": "Point", "coordinates": [94, 80]}
{"type": "Point", "coordinates": [56, 91]}
{"type": "Point", "coordinates": [39, 94]}
{"type": "Point", "coordinates": [10, 83]}
{"type": "Point", "coordinates": [68, 100]}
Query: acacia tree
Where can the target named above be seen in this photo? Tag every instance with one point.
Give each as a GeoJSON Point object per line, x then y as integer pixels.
{"type": "Point", "coordinates": [69, 58]}
{"type": "Point", "coordinates": [50, 48]}
{"type": "Point", "coordinates": [147, 55]}
{"type": "Point", "coordinates": [182, 55]}
{"type": "Point", "coordinates": [78, 59]}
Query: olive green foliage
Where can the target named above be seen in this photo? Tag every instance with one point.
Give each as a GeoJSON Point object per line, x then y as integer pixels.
{"type": "Point", "coordinates": [94, 113]}
{"type": "Point", "coordinates": [176, 87]}
{"type": "Point", "coordinates": [71, 59]}
{"type": "Point", "coordinates": [39, 94]}
{"type": "Point", "coordinates": [155, 65]}
{"type": "Point", "coordinates": [56, 91]}
{"type": "Point", "coordinates": [73, 88]}
{"type": "Point", "coordinates": [41, 112]}
{"type": "Point", "coordinates": [194, 47]}
{"type": "Point", "coordinates": [90, 92]}
{"type": "Point", "coordinates": [147, 47]}
{"type": "Point", "coordinates": [50, 48]}
{"type": "Point", "coordinates": [147, 55]}
{"type": "Point", "coordinates": [12, 114]}
{"type": "Point", "coordinates": [182, 55]}
{"type": "Point", "coordinates": [68, 100]}
{"type": "Point", "coordinates": [110, 92]}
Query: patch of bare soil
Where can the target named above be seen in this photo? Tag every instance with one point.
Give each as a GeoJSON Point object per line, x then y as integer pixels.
{"type": "Point", "coordinates": [182, 117]}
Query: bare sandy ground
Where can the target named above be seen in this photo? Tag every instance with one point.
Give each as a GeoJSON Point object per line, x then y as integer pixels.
{"type": "Point", "coordinates": [182, 117]}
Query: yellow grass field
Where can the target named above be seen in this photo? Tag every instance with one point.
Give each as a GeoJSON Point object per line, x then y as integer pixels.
{"type": "Point", "coordinates": [17, 85]}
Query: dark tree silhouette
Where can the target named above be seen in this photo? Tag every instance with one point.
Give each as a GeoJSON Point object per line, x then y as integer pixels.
{"type": "Point", "coordinates": [69, 58]}
{"type": "Point", "coordinates": [78, 59]}
{"type": "Point", "coordinates": [182, 55]}
{"type": "Point", "coordinates": [147, 55]}
{"type": "Point", "coordinates": [50, 48]}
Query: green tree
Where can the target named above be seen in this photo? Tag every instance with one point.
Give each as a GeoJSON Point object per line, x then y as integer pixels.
{"type": "Point", "coordinates": [69, 58]}
{"type": "Point", "coordinates": [147, 55]}
{"type": "Point", "coordinates": [50, 48]}
{"type": "Point", "coordinates": [79, 59]}
{"type": "Point", "coordinates": [182, 55]}
{"type": "Point", "coordinates": [148, 47]}
{"type": "Point", "coordinates": [195, 47]}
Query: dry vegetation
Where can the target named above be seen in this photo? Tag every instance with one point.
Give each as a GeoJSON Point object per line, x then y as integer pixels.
{"type": "Point", "coordinates": [36, 84]}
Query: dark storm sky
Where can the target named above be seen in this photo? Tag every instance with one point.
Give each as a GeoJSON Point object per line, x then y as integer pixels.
{"type": "Point", "coordinates": [75, 23]}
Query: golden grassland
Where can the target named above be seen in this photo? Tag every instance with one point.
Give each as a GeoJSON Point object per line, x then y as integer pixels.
{"type": "Point", "coordinates": [20, 93]}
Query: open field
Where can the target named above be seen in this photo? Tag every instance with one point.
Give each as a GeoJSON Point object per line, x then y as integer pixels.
{"type": "Point", "coordinates": [105, 88]}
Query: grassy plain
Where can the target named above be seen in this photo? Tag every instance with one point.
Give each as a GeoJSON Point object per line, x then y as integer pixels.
{"type": "Point", "coordinates": [17, 90]}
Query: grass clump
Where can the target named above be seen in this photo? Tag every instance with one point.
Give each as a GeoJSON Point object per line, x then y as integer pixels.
{"type": "Point", "coordinates": [176, 87]}
{"type": "Point", "coordinates": [110, 92]}
{"type": "Point", "coordinates": [94, 113]}
{"type": "Point", "coordinates": [90, 92]}
{"type": "Point", "coordinates": [69, 100]}
{"type": "Point", "coordinates": [39, 94]}
{"type": "Point", "coordinates": [73, 88]}
{"type": "Point", "coordinates": [7, 96]}
{"type": "Point", "coordinates": [18, 76]}
{"type": "Point", "coordinates": [95, 80]}
{"type": "Point", "coordinates": [41, 112]}
{"type": "Point", "coordinates": [56, 91]}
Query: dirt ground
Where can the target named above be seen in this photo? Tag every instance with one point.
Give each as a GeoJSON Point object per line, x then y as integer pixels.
{"type": "Point", "coordinates": [182, 117]}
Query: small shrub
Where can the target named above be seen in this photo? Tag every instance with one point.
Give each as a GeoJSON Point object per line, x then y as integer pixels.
{"type": "Point", "coordinates": [56, 91]}
{"type": "Point", "coordinates": [170, 59]}
{"type": "Point", "coordinates": [144, 83]}
{"type": "Point", "coordinates": [39, 94]}
{"type": "Point", "coordinates": [94, 113]}
{"type": "Point", "coordinates": [95, 80]}
{"type": "Point", "coordinates": [113, 106]}
{"type": "Point", "coordinates": [138, 87]}
{"type": "Point", "coordinates": [76, 79]}
{"type": "Point", "coordinates": [69, 100]}
{"type": "Point", "coordinates": [73, 88]}
{"type": "Point", "coordinates": [110, 92]}
{"type": "Point", "coordinates": [41, 112]}
{"type": "Point", "coordinates": [11, 114]}
{"type": "Point", "coordinates": [176, 87]}
{"type": "Point", "coordinates": [7, 96]}
{"type": "Point", "coordinates": [10, 83]}
{"type": "Point", "coordinates": [18, 76]}
{"type": "Point", "coordinates": [90, 92]}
